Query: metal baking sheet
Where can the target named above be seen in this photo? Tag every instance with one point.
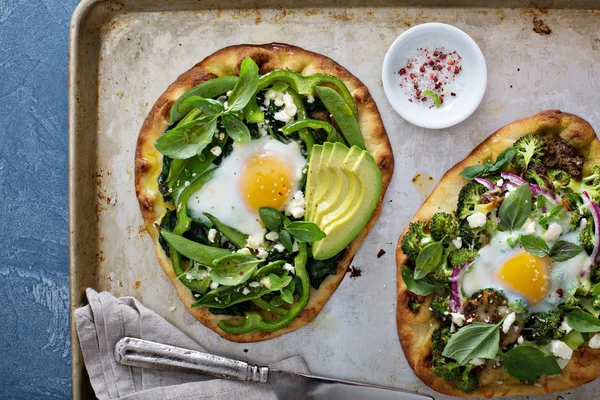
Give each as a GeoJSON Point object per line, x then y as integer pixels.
{"type": "Point", "coordinates": [124, 54]}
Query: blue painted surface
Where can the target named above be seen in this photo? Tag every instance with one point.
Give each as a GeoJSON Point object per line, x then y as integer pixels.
{"type": "Point", "coordinates": [34, 278]}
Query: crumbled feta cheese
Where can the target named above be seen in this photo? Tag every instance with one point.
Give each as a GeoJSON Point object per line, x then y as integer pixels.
{"type": "Point", "coordinates": [594, 342]}
{"type": "Point", "coordinates": [458, 319]}
{"type": "Point", "coordinates": [508, 321]}
{"type": "Point", "coordinates": [189, 277]}
{"type": "Point", "coordinates": [477, 361]}
{"type": "Point", "coordinates": [295, 247]}
{"type": "Point", "coordinates": [266, 282]}
{"type": "Point", "coordinates": [228, 93]}
{"type": "Point", "coordinates": [262, 253]}
{"type": "Point", "coordinates": [244, 250]}
{"type": "Point", "coordinates": [272, 236]}
{"type": "Point", "coordinates": [186, 183]}
{"type": "Point", "coordinates": [529, 227]}
{"type": "Point", "coordinates": [295, 206]}
{"type": "Point", "coordinates": [310, 99]}
{"type": "Point", "coordinates": [289, 267]}
{"type": "Point", "coordinates": [561, 349]}
{"type": "Point", "coordinates": [477, 220]}
{"type": "Point", "coordinates": [254, 284]}
{"type": "Point", "coordinates": [564, 326]}
{"type": "Point", "coordinates": [457, 242]}
{"type": "Point", "coordinates": [212, 233]}
{"type": "Point", "coordinates": [246, 291]}
{"type": "Point", "coordinates": [553, 232]}
{"type": "Point", "coordinates": [262, 129]}
{"type": "Point", "coordinates": [226, 104]}
{"type": "Point", "coordinates": [279, 247]}
{"type": "Point", "coordinates": [511, 188]}
{"type": "Point", "coordinates": [255, 241]}
{"type": "Point", "coordinates": [216, 151]}
{"type": "Point", "coordinates": [500, 182]}
{"type": "Point", "coordinates": [221, 136]}
{"type": "Point", "coordinates": [214, 285]}
{"type": "Point", "coordinates": [520, 340]}
{"type": "Point", "coordinates": [562, 362]}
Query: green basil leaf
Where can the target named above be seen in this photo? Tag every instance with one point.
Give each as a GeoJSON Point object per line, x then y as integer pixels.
{"type": "Point", "coordinates": [233, 269]}
{"type": "Point", "coordinates": [286, 240]}
{"type": "Point", "coordinates": [208, 106]}
{"type": "Point", "coordinates": [515, 209]}
{"type": "Point", "coordinates": [563, 250]}
{"type": "Point", "coordinates": [582, 321]}
{"type": "Point", "coordinates": [187, 140]}
{"type": "Point", "coordinates": [276, 282]}
{"type": "Point", "coordinates": [225, 296]}
{"type": "Point", "coordinates": [527, 363]}
{"type": "Point", "coordinates": [421, 288]}
{"type": "Point", "coordinates": [305, 232]}
{"type": "Point", "coordinates": [472, 171]}
{"type": "Point", "coordinates": [502, 161]}
{"type": "Point", "coordinates": [429, 259]}
{"type": "Point", "coordinates": [554, 212]}
{"type": "Point", "coordinates": [596, 290]}
{"type": "Point", "coordinates": [236, 128]}
{"type": "Point", "coordinates": [588, 304]}
{"type": "Point", "coordinates": [287, 296]}
{"type": "Point", "coordinates": [534, 245]}
{"type": "Point", "coordinates": [205, 255]}
{"type": "Point", "coordinates": [245, 87]}
{"type": "Point", "coordinates": [478, 340]}
{"type": "Point", "coordinates": [271, 218]}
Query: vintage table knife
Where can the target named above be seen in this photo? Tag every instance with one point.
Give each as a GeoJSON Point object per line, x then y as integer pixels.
{"type": "Point", "coordinates": [287, 385]}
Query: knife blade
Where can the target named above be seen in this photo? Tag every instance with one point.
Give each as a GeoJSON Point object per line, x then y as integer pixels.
{"type": "Point", "coordinates": [287, 385]}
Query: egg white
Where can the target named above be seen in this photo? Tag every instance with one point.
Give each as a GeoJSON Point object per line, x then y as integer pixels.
{"type": "Point", "coordinates": [221, 196]}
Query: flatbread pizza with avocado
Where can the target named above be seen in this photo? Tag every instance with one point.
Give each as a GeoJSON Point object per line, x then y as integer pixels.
{"type": "Point", "coordinates": [498, 279]}
{"type": "Point", "coordinates": [259, 172]}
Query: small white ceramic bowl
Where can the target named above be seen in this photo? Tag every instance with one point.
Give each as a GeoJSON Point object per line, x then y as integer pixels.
{"type": "Point", "coordinates": [473, 76]}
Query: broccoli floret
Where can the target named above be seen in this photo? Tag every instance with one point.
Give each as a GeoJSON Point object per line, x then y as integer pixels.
{"type": "Point", "coordinates": [459, 258]}
{"type": "Point", "coordinates": [414, 240]}
{"type": "Point", "coordinates": [443, 224]}
{"type": "Point", "coordinates": [468, 381]}
{"type": "Point", "coordinates": [571, 302]}
{"type": "Point", "coordinates": [535, 173]}
{"type": "Point", "coordinates": [528, 148]}
{"type": "Point", "coordinates": [559, 178]}
{"type": "Point", "coordinates": [586, 237]}
{"type": "Point", "coordinates": [512, 241]}
{"type": "Point", "coordinates": [543, 327]}
{"type": "Point", "coordinates": [519, 306]}
{"type": "Point", "coordinates": [596, 304]}
{"type": "Point", "coordinates": [446, 369]}
{"type": "Point", "coordinates": [468, 198]}
{"type": "Point", "coordinates": [440, 308]}
{"type": "Point", "coordinates": [414, 304]}
{"type": "Point", "coordinates": [590, 184]}
{"type": "Point", "coordinates": [471, 238]}
{"type": "Point", "coordinates": [443, 273]}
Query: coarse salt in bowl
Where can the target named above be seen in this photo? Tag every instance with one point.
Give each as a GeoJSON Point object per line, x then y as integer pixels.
{"type": "Point", "coordinates": [461, 91]}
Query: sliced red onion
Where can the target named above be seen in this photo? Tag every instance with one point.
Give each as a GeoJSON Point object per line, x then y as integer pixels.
{"type": "Point", "coordinates": [488, 184]}
{"type": "Point", "coordinates": [595, 210]}
{"type": "Point", "coordinates": [455, 279]}
{"type": "Point", "coordinates": [513, 178]}
{"type": "Point", "coordinates": [508, 185]}
{"type": "Point", "coordinates": [537, 189]}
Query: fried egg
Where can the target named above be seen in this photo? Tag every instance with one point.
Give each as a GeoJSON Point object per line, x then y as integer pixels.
{"type": "Point", "coordinates": [539, 281]}
{"type": "Point", "coordinates": [264, 172]}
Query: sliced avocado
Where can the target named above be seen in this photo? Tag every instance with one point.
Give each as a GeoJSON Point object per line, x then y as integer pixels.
{"type": "Point", "coordinates": [312, 177]}
{"type": "Point", "coordinates": [343, 209]}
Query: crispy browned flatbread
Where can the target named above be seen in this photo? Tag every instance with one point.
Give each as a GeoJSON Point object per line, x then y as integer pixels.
{"type": "Point", "coordinates": [415, 328]}
{"type": "Point", "coordinates": [226, 62]}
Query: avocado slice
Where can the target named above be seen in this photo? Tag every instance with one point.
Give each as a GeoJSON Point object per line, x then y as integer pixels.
{"type": "Point", "coordinates": [343, 209]}
{"type": "Point", "coordinates": [312, 178]}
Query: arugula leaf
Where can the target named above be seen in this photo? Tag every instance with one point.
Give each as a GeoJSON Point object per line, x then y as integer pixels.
{"type": "Point", "coordinates": [421, 287]}
{"type": "Point", "coordinates": [234, 269]}
{"type": "Point", "coordinates": [245, 87]}
{"type": "Point", "coordinates": [187, 140]}
{"type": "Point", "coordinates": [429, 259]}
{"type": "Point", "coordinates": [305, 232]}
{"type": "Point", "coordinates": [515, 209]}
{"type": "Point", "coordinates": [489, 168]}
{"type": "Point", "coordinates": [582, 321]}
{"type": "Point", "coordinates": [286, 240]}
{"type": "Point", "coordinates": [434, 96]}
{"type": "Point", "coordinates": [534, 245]}
{"type": "Point", "coordinates": [271, 218]}
{"type": "Point", "coordinates": [208, 106]}
{"type": "Point", "coordinates": [236, 128]}
{"type": "Point", "coordinates": [527, 363]}
{"type": "Point", "coordinates": [478, 340]}
{"type": "Point", "coordinates": [563, 250]}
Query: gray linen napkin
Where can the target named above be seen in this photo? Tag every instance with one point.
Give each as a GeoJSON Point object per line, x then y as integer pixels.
{"type": "Point", "coordinates": [107, 319]}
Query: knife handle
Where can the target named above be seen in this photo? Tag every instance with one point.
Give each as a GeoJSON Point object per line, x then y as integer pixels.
{"type": "Point", "coordinates": [147, 354]}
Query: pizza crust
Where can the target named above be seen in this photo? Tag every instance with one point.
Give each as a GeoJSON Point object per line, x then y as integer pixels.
{"type": "Point", "coordinates": [415, 329]}
{"type": "Point", "coordinates": [148, 161]}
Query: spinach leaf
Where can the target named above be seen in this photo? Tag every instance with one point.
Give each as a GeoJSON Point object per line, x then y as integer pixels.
{"type": "Point", "coordinates": [563, 250]}
{"type": "Point", "coordinates": [429, 259]}
{"type": "Point", "coordinates": [515, 209]}
{"type": "Point", "coordinates": [305, 232]}
{"type": "Point", "coordinates": [490, 167]}
{"type": "Point", "coordinates": [226, 296]}
{"type": "Point", "coordinates": [236, 310]}
{"type": "Point", "coordinates": [421, 288]}
{"type": "Point", "coordinates": [478, 340]}
{"type": "Point", "coordinates": [187, 140]}
{"type": "Point", "coordinates": [582, 321]}
{"type": "Point", "coordinates": [234, 269]}
{"type": "Point", "coordinates": [163, 178]}
{"type": "Point", "coordinates": [207, 106]}
{"type": "Point", "coordinates": [534, 245]}
{"type": "Point", "coordinates": [167, 222]}
{"type": "Point", "coordinates": [527, 363]}
{"type": "Point", "coordinates": [318, 270]}
{"type": "Point", "coordinates": [236, 129]}
{"type": "Point", "coordinates": [245, 87]}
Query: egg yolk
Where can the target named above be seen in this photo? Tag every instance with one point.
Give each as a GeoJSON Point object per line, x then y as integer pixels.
{"type": "Point", "coordinates": [526, 275]}
{"type": "Point", "coordinates": [266, 181]}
